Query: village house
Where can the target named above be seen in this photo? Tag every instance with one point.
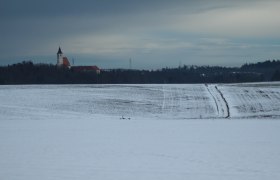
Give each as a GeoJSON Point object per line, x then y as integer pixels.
{"type": "Point", "coordinates": [62, 61]}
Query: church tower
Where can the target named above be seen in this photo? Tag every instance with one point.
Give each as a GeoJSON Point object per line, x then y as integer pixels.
{"type": "Point", "coordinates": [59, 57]}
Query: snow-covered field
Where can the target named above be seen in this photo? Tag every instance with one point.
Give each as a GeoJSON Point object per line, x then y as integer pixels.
{"type": "Point", "coordinates": [149, 132]}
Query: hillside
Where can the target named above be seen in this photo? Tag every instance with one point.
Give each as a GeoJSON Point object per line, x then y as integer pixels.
{"type": "Point", "coordinates": [29, 73]}
{"type": "Point", "coordinates": [105, 132]}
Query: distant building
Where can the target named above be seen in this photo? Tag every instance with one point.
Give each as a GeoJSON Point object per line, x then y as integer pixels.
{"type": "Point", "coordinates": [86, 69]}
{"type": "Point", "coordinates": [62, 61]}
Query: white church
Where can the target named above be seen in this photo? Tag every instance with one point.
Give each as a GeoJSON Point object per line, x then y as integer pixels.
{"type": "Point", "coordinates": [62, 61]}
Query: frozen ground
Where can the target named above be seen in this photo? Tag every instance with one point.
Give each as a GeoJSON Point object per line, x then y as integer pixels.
{"type": "Point", "coordinates": [167, 132]}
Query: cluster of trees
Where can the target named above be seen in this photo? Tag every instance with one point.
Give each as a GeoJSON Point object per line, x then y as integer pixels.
{"type": "Point", "coordinates": [29, 73]}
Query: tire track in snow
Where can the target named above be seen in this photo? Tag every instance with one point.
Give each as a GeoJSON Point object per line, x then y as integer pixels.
{"type": "Point", "coordinates": [172, 100]}
{"type": "Point", "coordinates": [221, 103]}
{"type": "Point", "coordinates": [224, 99]}
{"type": "Point", "coordinates": [217, 107]}
{"type": "Point", "coordinates": [164, 98]}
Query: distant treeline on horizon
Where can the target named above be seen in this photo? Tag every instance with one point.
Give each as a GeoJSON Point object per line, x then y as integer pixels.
{"type": "Point", "coordinates": [29, 73]}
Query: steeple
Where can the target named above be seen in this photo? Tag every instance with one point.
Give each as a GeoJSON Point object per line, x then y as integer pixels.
{"type": "Point", "coordinates": [59, 51]}
{"type": "Point", "coordinates": [59, 56]}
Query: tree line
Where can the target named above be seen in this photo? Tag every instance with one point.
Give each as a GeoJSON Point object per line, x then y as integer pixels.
{"type": "Point", "coordinates": [29, 73]}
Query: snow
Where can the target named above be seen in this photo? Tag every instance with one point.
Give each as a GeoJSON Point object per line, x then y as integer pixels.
{"type": "Point", "coordinates": [53, 132]}
{"type": "Point", "coordinates": [253, 100]}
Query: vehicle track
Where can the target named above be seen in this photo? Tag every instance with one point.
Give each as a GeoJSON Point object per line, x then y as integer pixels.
{"type": "Point", "coordinates": [224, 99]}
{"type": "Point", "coordinates": [217, 107]}
{"type": "Point", "coordinates": [221, 103]}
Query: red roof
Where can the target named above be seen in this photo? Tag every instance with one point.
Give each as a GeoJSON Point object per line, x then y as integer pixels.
{"type": "Point", "coordinates": [85, 68]}
{"type": "Point", "coordinates": [66, 62]}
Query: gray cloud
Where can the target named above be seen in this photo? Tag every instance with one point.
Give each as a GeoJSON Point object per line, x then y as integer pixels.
{"type": "Point", "coordinates": [54, 8]}
{"type": "Point", "coordinates": [158, 32]}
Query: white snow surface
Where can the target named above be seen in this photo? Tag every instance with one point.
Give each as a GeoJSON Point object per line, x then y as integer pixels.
{"type": "Point", "coordinates": [140, 132]}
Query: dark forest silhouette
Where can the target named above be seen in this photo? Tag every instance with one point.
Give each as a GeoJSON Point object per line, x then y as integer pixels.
{"type": "Point", "coordinates": [28, 73]}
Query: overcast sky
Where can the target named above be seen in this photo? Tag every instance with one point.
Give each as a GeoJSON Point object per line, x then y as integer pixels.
{"type": "Point", "coordinates": [153, 33]}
